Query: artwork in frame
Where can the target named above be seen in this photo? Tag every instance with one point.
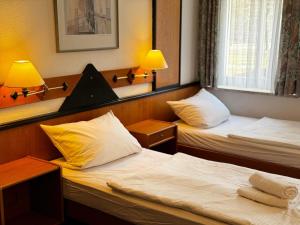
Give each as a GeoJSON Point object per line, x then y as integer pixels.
{"type": "Point", "coordinates": [86, 25]}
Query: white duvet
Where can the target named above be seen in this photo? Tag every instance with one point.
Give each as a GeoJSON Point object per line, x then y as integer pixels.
{"type": "Point", "coordinates": [205, 188]}
{"type": "Point", "coordinates": [280, 133]}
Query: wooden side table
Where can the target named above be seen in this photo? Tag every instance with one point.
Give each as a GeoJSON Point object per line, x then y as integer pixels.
{"type": "Point", "coordinates": [156, 135]}
{"type": "Point", "coordinates": [30, 193]}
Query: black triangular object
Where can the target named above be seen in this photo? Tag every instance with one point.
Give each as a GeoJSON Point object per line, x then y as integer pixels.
{"type": "Point", "coordinates": [92, 89]}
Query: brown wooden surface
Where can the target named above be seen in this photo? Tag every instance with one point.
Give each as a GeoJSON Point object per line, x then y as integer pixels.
{"type": "Point", "coordinates": [218, 156]}
{"type": "Point", "coordinates": [108, 75]}
{"type": "Point", "coordinates": [31, 140]}
{"type": "Point", "coordinates": [156, 135]}
{"type": "Point", "coordinates": [31, 193]}
{"type": "Point", "coordinates": [168, 40]}
{"type": "Point", "coordinates": [24, 169]}
{"type": "Point", "coordinates": [71, 80]}
{"type": "Point", "coordinates": [7, 101]}
{"type": "Point", "coordinates": [149, 127]}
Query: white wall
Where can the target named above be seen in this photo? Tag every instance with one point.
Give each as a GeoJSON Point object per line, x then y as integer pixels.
{"type": "Point", "coordinates": [189, 33]}
{"type": "Point", "coordinates": [27, 31]}
{"type": "Point", "coordinates": [246, 104]}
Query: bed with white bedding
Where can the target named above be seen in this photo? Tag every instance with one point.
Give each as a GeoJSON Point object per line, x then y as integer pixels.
{"type": "Point", "coordinates": [88, 187]}
{"type": "Point", "coordinates": [248, 137]}
{"type": "Point", "coordinates": [219, 183]}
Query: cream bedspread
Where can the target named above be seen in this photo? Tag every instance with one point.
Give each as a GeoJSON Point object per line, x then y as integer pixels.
{"type": "Point", "coordinates": [279, 133]}
{"type": "Point", "coordinates": [205, 188]}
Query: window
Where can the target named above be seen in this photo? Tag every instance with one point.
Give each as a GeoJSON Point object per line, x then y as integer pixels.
{"type": "Point", "coordinates": [248, 44]}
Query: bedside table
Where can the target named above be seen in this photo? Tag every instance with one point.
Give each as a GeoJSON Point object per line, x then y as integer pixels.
{"type": "Point", "coordinates": [30, 193]}
{"type": "Point", "coordinates": [155, 134]}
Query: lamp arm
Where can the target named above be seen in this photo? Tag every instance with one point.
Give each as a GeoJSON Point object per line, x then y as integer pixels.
{"type": "Point", "coordinates": [130, 77]}
{"type": "Point", "coordinates": [25, 92]}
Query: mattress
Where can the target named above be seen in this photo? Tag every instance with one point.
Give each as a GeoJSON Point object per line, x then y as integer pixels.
{"type": "Point", "coordinates": [88, 187]}
{"type": "Point", "coordinates": [216, 139]}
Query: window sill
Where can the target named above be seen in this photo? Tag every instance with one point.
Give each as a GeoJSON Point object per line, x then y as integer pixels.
{"type": "Point", "coordinates": [249, 91]}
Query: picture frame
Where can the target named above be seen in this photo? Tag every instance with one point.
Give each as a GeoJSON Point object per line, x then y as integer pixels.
{"type": "Point", "coordinates": [86, 25]}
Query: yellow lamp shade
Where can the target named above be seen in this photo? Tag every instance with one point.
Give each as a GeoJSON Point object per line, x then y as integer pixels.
{"type": "Point", "coordinates": [23, 74]}
{"type": "Point", "coordinates": [154, 60]}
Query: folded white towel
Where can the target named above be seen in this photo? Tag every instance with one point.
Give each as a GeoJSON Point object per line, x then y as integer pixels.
{"type": "Point", "coordinates": [273, 187]}
{"type": "Point", "coordinates": [262, 197]}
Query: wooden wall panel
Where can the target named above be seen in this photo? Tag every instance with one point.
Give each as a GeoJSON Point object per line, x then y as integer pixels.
{"type": "Point", "coordinates": [72, 80]}
{"type": "Point", "coordinates": [30, 139]}
{"type": "Point", "coordinates": [167, 38]}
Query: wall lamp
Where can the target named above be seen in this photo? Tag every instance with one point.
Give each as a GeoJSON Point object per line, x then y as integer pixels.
{"type": "Point", "coordinates": [153, 61]}
{"type": "Point", "coordinates": [23, 74]}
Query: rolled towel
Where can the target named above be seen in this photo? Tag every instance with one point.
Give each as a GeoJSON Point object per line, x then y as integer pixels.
{"type": "Point", "coordinates": [261, 197]}
{"type": "Point", "coordinates": [274, 187]}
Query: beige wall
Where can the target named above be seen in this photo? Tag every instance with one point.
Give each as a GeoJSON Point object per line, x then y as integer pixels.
{"type": "Point", "coordinates": [27, 31]}
{"type": "Point", "coordinates": [189, 34]}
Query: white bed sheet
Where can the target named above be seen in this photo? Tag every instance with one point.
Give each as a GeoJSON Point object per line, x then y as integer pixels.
{"type": "Point", "coordinates": [206, 188]}
{"type": "Point", "coordinates": [88, 187]}
{"type": "Point", "coordinates": [216, 139]}
{"type": "Point", "coordinates": [274, 132]}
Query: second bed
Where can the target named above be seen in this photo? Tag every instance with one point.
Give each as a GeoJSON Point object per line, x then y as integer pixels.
{"type": "Point", "coordinates": [218, 139]}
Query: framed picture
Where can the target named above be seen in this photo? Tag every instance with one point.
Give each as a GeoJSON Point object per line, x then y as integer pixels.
{"type": "Point", "coordinates": [86, 25]}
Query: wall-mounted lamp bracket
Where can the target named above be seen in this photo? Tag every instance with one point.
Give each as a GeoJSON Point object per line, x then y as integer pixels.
{"type": "Point", "coordinates": [64, 87]}
{"type": "Point", "coordinates": [25, 92]}
{"type": "Point", "coordinates": [144, 75]}
{"type": "Point", "coordinates": [130, 77]}
{"type": "Point", "coordinates": [116, 78]}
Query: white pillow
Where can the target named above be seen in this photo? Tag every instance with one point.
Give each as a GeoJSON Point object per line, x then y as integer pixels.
{"type": "Point", "coordinates": [201, 110]}
{"type": "Point", "coordinates": [92, 143]}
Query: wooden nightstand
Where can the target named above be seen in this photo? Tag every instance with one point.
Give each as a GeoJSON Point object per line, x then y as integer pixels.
{"type": "Point", "coordinates": [30, 193]}
{"type": "Point", "coordinates": [156, 135]}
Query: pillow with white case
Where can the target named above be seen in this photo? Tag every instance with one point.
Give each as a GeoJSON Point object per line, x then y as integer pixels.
{"type": "Point", "coordinates": [202, 110]}
{"type": "Point", "coordinates": [92, 143]}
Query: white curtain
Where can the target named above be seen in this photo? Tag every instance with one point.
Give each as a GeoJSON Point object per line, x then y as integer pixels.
{"type": "Point", "coordinates": [248, 44]}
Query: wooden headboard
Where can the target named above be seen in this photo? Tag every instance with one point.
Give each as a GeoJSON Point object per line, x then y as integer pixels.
{"type": "Point", "coordinates": [31, 140]}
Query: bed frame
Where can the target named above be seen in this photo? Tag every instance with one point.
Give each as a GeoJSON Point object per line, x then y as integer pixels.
{"type": "Point", "coordinates": [262, 165]}
{"type": "Point", "coordinates": [81, 213]}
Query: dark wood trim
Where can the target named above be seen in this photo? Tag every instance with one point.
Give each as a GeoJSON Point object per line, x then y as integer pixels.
{"type": "Point", "coordinates": [154, 81]}
{"type": "Point", "coordinates": [244, 161]}
{"type": "Point", "coordinates": [60, 114]}
{"type": "Point", "coordinates": [169, 87]}
{"type": "Point", "coordinates": [154, 24]}
{"type": "Point", "coordinates": [180, 43]}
